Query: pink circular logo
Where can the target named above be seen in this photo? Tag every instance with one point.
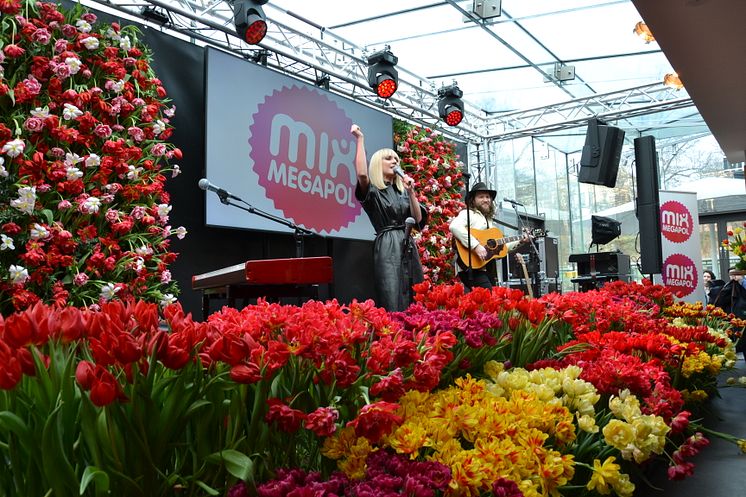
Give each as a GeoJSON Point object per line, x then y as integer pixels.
{"type": "Point", "coordinates": [677, 222]}
{"type": "Point", "coordinates": [680, 274]}
{"type": "Point", "coordinates": [303, 153]}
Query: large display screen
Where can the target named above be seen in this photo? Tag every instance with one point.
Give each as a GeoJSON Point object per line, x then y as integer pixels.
{"type": "Point", "coordinates": [285, 148]}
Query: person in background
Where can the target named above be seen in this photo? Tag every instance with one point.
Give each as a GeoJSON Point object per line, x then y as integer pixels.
{"type": "Point", "coordinates": [389, 200]}
{"type": "Point", "coordinates": [480, 202]}
{"type": "Point", "coordinates": [712, 286]}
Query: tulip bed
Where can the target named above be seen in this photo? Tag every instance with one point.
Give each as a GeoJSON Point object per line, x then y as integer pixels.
{"type": "Point", "coordinates": [479, 394]}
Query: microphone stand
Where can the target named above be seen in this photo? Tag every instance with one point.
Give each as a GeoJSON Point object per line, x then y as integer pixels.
{"type": "Point", "coordinates": [469, 270]}
{"type": "Point", "coordinates": [406, 265]}
{"type": "Point", "coordinates": [298, 232]}
{"type": "Point", "coordinates": [541, 275]}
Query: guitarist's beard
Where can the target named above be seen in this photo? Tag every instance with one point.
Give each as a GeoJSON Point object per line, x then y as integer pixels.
{"type": "Point", "coordinates": [488, 211]}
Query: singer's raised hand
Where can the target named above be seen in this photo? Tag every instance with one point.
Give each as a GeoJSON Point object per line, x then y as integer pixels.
{"type": "Point", "coordinates": [356, 131]}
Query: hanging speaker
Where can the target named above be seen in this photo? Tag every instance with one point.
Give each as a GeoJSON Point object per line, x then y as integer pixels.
{"type": "Point", "coordinates": [599, 160]}
{"type": "Point", "coordinates": [648, 210]}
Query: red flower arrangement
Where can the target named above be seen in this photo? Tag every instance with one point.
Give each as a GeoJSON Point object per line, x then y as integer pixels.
{"type": "Point", "coordinates": [83, 152]}
{"type": "Point", "coordinates": [432, 162]}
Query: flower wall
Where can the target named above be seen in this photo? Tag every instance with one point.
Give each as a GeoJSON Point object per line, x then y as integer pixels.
{"type": "Point", "coordinates": [84, 156]}
{"type": "Point", "coordinates": [432, 162]}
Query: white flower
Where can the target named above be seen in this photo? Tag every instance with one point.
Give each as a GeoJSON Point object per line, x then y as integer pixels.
{"type": "Point", "coordinates": [91, 205]}
{"type": "Point", "coordinates": [74, 64]}
{"type": "Point", "coordinates": [71, 112]}
{"type": "Point", "coordinates": [167, 300]}
{"type": "Point", "coordinates": [108, 291]}
{"type": "Point", "coordinates": [18, 274]}
{"type": "Point", "coordinates": [139, 264]}
{"type": "Point", "coordinates": [14, 148]}
{"type": "Point", "coordinates": [134, 172]}
{"type": "Point", "coordinates": [72, 159]}
{"type": "Point", "coordinates": [144, 250]}
{"type": "Point", "coordinates": [92, 160]}
{"type": "Point", "coordinates": [83, 26]}
{"type": "Point", "coordinates": [116, 86]}
{"type": "Point", "coordinates": [3, 172]}
{"type": "Point", "coordinates": [158, 127]}
{"type": "Point", "coordinates": [73, 173]}
{"type": "Point", "coordinates": [91, 43]}
{"type": "Point", "coordinates": [180, 232]}
{"type": "Point", "coordinates": [113, 35]}
{"type": "Point", "coordinates": [125, 43]}
{"type": "Point", "coordinates": [6, 243]}
{"type": "Point", "coordinates": [38, 232]}
{"type": "Point", "coordinates": [163, 210]}
{"type": "Point", "coordinates": [41, 112]}
{"type": "Point", "coordinates": [26, 199]}
{"type": "Point", "coordinates": [176, 171]}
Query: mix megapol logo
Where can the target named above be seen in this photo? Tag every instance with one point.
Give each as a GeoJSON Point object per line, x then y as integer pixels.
{"type": "Point", "coordinates": [680, 274]}
{"type": "Point", "coordinates": [303, 153]}
{"type": "Point", "coordinates": [677, 223]}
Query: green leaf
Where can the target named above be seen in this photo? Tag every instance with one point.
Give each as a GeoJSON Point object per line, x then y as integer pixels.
{"type": "Point", "coordinates": [57, 468]}
{"type": "Point", "coordinates": [196, 406]}
{"type": "Point", "coordinates": [48, 215]}
{"type": "Point", "coordinates": [207, 488]}
{"type": "Point", "coordinates": [236, 463]}
{"type": "Point", "coordinates": [96, 475]}
{"type": "Point", "coordinates": [11, 422]}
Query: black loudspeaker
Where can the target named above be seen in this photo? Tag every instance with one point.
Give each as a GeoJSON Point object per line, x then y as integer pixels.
{"type": "Point", "coordinates": [604, 230]}
{"type": "Point", "coordinates": [648, 211]}
{"type": "Point", "coordinates": [599, 161]}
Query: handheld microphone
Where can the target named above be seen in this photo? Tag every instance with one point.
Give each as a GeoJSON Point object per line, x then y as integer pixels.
{"type": "Point", "coordinates": [205, 184]}
{"type": "Point", "coordinates": [512, 202]}
{"type": "Point", "coordinates": [408, 226]}
{"type": "Point", "coordinates": [399, 172]}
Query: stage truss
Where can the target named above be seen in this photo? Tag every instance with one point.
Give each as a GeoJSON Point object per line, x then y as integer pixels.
{"type": "Point", "coordinates": [310, 52]}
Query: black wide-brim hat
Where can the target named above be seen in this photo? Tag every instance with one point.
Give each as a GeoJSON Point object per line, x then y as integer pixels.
{"type": "Point", "coordinates": [480, 186]}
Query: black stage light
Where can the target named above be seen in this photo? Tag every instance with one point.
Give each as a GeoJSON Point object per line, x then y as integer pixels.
{"type": "Point", "coordinates": [250, 21]}
{"type": "Point", "coordinates": [155, 14]}
{"type": "Point", "coordinates": [450, 105]}
{"type": "Point", "coordinates": [604, 230]}
{"type": "Point", "coordinates": [382, 75]}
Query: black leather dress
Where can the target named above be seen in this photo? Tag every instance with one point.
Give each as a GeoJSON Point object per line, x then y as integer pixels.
{"type": "Point", "coordinates": [396, 265]}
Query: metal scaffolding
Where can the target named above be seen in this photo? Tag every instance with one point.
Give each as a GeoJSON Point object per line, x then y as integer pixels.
{"type": "Point", "coordinates": [313, 53]}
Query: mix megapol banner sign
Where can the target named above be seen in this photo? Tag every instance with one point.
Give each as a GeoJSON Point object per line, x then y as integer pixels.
{"type": "Point", "coordinates": [682, 258]}
{"type": "Point", "coordinates": [284, 147]}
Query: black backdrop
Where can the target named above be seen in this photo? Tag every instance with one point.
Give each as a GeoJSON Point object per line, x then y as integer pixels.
{"type": "Point", "coordinates": [181, 68]}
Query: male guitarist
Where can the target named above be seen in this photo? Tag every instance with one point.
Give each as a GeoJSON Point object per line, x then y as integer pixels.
{"type": "Point", "coordinates": [481, 210]}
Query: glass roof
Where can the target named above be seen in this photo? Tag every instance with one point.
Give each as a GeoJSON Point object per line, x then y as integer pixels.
{"type": "Point", "coordinates": [501, 64]}
{"type": "Point", "coordinates": [504, 65]}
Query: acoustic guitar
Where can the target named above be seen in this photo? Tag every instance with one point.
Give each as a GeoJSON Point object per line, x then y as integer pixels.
{"type": "Point", "coordinates": [493, 241]}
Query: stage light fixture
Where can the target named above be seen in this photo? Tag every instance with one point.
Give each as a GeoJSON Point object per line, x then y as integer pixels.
{"type": "Point", "coordinates": [643, 31]}
{"type": "Point", "coordinates": [450, 105]}
{"type": "Point", "coordinates": [155, 14]}
{"type": "Point", "coordinates": [382, 75]}
{"type": "Point", "coordinates": [323, 81]}
{"type": "Point", "coordinates": [672, 80]}
{"type": "Point", "coordinates": [250, 21]}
